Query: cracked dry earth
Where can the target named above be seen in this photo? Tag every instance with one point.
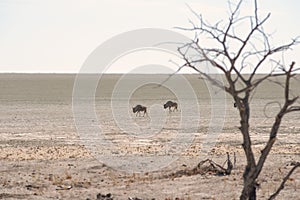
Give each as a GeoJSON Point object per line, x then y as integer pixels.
{"type": "Point", "coordinates": [43, 157]}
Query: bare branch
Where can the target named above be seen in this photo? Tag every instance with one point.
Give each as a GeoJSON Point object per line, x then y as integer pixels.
{"type": "Point", "coordinates": [273, 134]}
{"type": "Point", "coordinates": [256, 28]}
{"type": "Point", "coordinates": [293, 109]}
{"type": "Point", "coordinates": [281, 187]}
{"type": "Point", "coordinates": [270, 52]}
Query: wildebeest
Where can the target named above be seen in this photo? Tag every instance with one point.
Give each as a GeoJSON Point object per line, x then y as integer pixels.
{"type": "Point", "coordinates": [171, 104]}
{"type": "Point", "coordinates": [139, 108]}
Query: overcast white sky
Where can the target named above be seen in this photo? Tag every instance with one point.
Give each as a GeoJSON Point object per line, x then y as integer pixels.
{"type": "Point", "coordinates": [57, 36]}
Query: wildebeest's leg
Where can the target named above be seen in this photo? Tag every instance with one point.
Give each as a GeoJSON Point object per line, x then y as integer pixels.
{"type": "Point", "coordinates": [145, 111]}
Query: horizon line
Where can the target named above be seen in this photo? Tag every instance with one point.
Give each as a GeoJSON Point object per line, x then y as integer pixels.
{"type": "Point", "coordinates": [76, 73]}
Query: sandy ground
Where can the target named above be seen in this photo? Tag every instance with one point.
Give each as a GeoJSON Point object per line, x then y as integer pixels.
{"type": "Point", "coordinates": [42, 155]}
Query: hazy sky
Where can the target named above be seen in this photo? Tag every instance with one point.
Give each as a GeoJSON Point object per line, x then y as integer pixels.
{"type": "Point", "coordinates": [58, 35]}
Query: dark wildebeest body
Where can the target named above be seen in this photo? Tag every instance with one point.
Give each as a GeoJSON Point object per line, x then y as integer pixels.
{"type": "Point", "coordinates": [171, 104]}
{"type": "Point", "coordinates": [139, 108]}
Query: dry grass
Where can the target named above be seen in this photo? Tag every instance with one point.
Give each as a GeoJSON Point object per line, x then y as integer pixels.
{"type": "Point", "coordinates": [42, 158]}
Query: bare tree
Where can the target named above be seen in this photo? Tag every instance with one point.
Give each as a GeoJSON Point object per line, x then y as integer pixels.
{"type": "Point", "coordinates": [236, 46]}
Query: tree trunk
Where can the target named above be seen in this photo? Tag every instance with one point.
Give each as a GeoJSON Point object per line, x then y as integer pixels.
{"type": "Point", "coordinates": [252, 195]}
{"type": "Point", "coordinates": [249, 191]}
